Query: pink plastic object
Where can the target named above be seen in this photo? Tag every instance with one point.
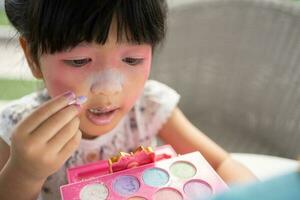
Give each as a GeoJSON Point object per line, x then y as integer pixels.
{"type": "Point", "coordinates": [121, 162]}
{"type": "Point", "coordinates": [87, 171]}
{"type": "Point", "coordinates": [186, 177]}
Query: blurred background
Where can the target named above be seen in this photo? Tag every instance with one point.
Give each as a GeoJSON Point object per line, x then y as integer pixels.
{"type": "Point", "coordinates": [235, 63]}
{"type": "Point", "coordinates": [15, 77]}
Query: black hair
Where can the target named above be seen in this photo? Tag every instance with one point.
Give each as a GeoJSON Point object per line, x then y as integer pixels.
{"type": "Point", "coordinates": [51, 26]}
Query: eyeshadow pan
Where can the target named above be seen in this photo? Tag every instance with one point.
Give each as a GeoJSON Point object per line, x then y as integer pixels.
{"type": "Point", "coordinates": [137, 198]}
{"type": "Point", "coordinates": [126, 185]}
{"type": "Point", "coordinates": [155, 177]}
{"type": "Point", "coordinates": [95, 191]}
{"type": "Point", "coordinates": [167, 193]}
{"type": "Point", "coordinates": [183, 170]}
{"type": "Point", "coordinates": [198, 189]}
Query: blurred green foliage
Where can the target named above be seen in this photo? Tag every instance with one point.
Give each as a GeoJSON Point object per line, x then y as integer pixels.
{"type": "Point", "coordinates": [13, 89]}
{"type": "Point", "coordinates": [3, 18]}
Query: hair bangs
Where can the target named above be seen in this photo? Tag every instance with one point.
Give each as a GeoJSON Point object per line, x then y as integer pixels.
{"type": "Point", "coordinates": [60, 25]}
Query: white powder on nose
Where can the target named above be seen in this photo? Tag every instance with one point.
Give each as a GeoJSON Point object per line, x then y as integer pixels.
{"type": "Point", "coordinates": [108, 80]}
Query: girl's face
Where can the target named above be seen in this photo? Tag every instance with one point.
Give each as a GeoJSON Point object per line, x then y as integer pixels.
{"type": "Point", "coordinates": [111, 76]}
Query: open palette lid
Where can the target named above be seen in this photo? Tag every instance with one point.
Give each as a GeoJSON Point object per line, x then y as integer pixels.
{"type": "Point", "coordinates": [122, 161]}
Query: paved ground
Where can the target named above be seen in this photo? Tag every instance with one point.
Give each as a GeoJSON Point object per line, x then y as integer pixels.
{"type": "Point", "coordinates": [12, 62]}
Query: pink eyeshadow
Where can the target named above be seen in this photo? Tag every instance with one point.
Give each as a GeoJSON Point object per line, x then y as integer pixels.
{"type": "Point", "coordinates": [126, 185]}
{"type": "Point", "coordinates": [167, 193]}
{"type": "Point", "coordinates": [137, 198]}
{"type": "Point", "coordinates": [198, 189]}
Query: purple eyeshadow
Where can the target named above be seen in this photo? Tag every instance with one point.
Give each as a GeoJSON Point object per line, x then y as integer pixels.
{"type": "Point", "coordinates": [126, 185]}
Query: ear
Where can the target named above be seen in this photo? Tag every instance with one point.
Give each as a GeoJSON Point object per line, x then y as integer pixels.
{"type": "Point", "coordinates": [34, 67]}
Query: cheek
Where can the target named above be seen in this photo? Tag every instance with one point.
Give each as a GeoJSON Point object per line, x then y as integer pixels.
{"type": "Point", "coordinates": [56, 84]}
{"type": "Point", "coordinates": [146, 72]}
{"type": "Point", "coordinates": [136, 84]}
{"type": "Point", "coordinates": [59, 79]}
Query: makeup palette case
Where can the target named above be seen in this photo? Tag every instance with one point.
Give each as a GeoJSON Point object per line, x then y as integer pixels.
{"type": "Point", "coordinates": [144, 174]}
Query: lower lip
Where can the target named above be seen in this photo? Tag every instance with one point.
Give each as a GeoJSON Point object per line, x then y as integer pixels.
{"type": "Point", "coordinates": [102, 119]}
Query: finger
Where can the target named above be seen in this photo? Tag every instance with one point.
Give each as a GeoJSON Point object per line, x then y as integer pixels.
{"type": "Point", "coordinates": [64, 135]}
{"type": "Point", "coordinates": [45, 111]}
{"type": "Point", "coordinates": [70, 146]}
{"type": "Point", "coordinates": [49, 128]}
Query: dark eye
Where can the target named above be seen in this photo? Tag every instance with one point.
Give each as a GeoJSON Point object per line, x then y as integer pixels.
{"type": "Point", "coordinates": [78, 63]}
{"type": "Point", "coordinates": [133, 61]}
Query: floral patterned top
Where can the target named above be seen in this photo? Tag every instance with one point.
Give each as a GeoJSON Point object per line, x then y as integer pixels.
{"type": "Point", "coordinates": [138, 127]}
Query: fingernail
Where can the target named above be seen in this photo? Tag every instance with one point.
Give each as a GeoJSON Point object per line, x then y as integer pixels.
{"type": "Point", "coordinates": [78, 100]}
{"type": "Point", "coordinates": [69, 95]}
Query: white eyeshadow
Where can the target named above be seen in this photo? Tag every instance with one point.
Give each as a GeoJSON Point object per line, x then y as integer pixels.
{"type": "Point", "coordinates": [94, 191]}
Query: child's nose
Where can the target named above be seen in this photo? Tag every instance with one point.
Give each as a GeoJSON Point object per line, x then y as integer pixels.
{"type": "Point", "coordinates": [107, 82]}
{"type": "Point", "coordinates": [107, 89]}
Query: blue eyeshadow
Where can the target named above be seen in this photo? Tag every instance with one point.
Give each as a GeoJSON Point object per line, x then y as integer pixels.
{"type": "Point", "coordinates": [155, 177]}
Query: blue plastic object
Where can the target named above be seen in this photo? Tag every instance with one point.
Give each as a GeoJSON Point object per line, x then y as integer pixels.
{"type": "Point", "coordinates": [284, 187]}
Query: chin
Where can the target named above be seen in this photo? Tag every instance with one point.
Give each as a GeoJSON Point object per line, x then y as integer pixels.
{"type": "Point", "coordinates": [90, 130]}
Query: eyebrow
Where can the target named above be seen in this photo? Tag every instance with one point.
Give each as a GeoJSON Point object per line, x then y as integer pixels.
{"type": "Point", "coordinates": [86, 44]}
{"type": "Point", "coordinates": [82, 44]}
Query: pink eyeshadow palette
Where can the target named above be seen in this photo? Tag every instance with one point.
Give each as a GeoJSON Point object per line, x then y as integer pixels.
{"type": "Point", "coordinates": [147, 175]}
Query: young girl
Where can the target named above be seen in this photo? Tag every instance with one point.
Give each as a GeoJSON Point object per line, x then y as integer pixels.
{"type": "Point", "coordinates": [94, 57]}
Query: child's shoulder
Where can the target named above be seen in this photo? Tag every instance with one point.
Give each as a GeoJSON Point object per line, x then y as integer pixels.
{"type": "Point", "coordinates": [158, 92]}
{"type": "Point", "coordinates": [157, 96]}
{"type": "Point", "coordinates": [17, 109]}
{"type": "Point", "coordinates": [155, 106]}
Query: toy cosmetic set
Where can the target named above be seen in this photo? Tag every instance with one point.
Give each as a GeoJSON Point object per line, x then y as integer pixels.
{"type": "Point", "coordinates": [144, 174]}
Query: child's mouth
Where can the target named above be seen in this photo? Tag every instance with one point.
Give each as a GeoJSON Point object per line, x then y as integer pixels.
{"type": "Point", "coordinates": [101, 116]}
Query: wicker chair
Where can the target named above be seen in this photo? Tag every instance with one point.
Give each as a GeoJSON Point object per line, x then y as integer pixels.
{"type": "Point", "coordinates": [236, 64]}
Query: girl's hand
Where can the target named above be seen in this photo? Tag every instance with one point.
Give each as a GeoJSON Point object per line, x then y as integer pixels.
{"type": "Point", "coordinates": [43, 141]}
